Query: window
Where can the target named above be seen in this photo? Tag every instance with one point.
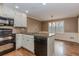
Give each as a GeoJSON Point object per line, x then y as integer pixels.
{"type": "Point", "coordinates": [56, 27]}
{"type": "Point", "coordinates": [50, 27]}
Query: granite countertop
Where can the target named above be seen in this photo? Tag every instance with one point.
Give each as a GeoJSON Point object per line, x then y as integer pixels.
{"type": "Point", "coordinates": [39, 34]}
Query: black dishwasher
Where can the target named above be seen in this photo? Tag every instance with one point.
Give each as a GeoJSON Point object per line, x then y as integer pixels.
{"type": "Point", "coordinates": [40, 46]}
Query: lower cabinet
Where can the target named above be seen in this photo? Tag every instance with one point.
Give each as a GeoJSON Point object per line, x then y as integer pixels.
{"type": "Point", "coordinates": [28, 42]}
{"type": "Point", "coordinates": [18, 41]}
{"type": "Point", "coordinates": [73, 37]}
{"type": "Point", "coordinates": [25, 41]}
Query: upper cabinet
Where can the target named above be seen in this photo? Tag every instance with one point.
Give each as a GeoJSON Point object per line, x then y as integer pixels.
{"type": "Point", "coordinates": [7, 12]}
{"type": "Point", "coordinates": [20, 20]}
{"type": "Point", "coordinates": [1, 11]}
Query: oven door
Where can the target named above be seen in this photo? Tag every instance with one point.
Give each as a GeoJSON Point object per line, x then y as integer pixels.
{"type": "Point", "coordinates": [6, 48]}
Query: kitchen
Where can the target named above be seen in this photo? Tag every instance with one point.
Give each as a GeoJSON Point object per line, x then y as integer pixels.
{"type": "Point", "coordinates": [34, 35]}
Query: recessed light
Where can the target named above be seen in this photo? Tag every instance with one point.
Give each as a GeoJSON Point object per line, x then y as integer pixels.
{"type": "Point", "coordinates": [16, 6]}
{"type": "Point", "coordinates": [44, 3]}
{"type": "Point", "coordinates": [26, 11]}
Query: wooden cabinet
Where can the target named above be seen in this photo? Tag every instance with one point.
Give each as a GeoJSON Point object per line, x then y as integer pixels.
{"type": "Point", "coordinates": [73, 37]}
{"type": "Point", "coordinates": [19, 39]}
{"type": "Point", "coordinates": [28, 42]}
{"type": "Point", "coordinates": [7, 12]}
{"type": "Point", "coordinates": [1, 12]}
{"type": "Point", "coordinates": [20, 20]}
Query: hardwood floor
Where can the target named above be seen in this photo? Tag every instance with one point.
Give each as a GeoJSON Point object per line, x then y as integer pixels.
{"type": "Point", "coordinates": [65, 48]}
{"type": "Point", "coordinates": [62, 48]}
{"type": "Point", "coordinates": [20, 52]}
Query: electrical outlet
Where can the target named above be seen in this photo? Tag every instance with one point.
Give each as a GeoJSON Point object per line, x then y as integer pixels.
{"type": "Point", "coordinates": [71, 37]}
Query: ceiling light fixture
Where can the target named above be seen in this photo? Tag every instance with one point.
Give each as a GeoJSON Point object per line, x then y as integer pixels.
{"type": "Point", "coordinates": [16, 6]}
{"type": "Point", "coordinates": [26, 11]}
{"type": "Point", "coordinates": [44, 3]}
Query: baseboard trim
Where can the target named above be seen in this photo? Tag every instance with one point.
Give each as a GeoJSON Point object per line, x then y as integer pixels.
{"type": "Point", "coordinates": [66, 41]}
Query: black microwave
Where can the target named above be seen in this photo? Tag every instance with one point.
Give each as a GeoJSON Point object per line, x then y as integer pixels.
{"type": "Point", "coordinates": [6, 21]}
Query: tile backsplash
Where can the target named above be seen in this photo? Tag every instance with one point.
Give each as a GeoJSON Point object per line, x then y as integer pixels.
{"type": "Point", "coordinates": [20, 30]}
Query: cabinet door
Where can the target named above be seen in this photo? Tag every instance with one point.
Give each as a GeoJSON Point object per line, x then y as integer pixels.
{"type": "Point", "coordinates": [24, 42]}
{"type": "Point", "coordinates": [8, 12]}
{"type": "Point", "coordinates": [24, 20]}
{"type": "Point", "coordinates": [20, 20]}
{"type": "Point", "coordinates": [28, 43]}
{"type": "Point", "coordinates": [18, 41]}
{"type": "Point", "coordinates": [31, 45]}
{"type": "Point", "coordinates": [1, 12]}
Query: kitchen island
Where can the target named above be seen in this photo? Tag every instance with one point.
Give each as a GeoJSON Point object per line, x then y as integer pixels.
{"type": "Point", "coordinates": [41, 44]}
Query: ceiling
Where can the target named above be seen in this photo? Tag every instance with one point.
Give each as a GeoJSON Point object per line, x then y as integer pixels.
{"type": "Point", "coordinates": [44, 12]}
